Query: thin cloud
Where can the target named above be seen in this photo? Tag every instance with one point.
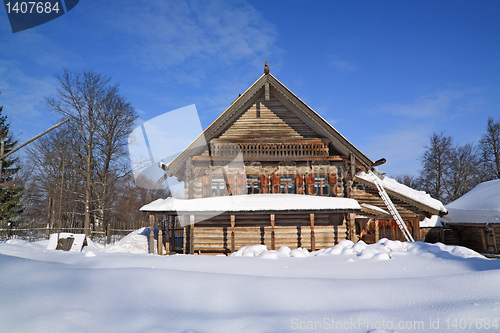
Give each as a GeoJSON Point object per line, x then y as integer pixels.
{"type": "Point", "coordinates": [401, 148]}
{"type": "Point", "coordinates": [26, 104]}
{"type": "Point", "coordinates": [447, 103]}
{"type": "Point", "coordinates": [167, 34]}
{"type": "Point", "coordinates": [342, 65]}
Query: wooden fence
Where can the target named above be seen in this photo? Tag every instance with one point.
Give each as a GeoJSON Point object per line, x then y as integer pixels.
{"type": "Point", "coordinates": [109, 236]}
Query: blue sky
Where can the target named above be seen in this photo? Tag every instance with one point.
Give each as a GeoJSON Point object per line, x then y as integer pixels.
{"type": "Point", "coordinates": [385, 74]}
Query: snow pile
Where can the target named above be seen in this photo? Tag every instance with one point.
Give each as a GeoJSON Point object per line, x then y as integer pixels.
{"type": "Point", "coordinates": [479, 205]}
{"type": "Point", "coordinates": [384, 249]}
{"type": "Point", "coordinates": [79, 241]}
{"type": "Point", "coordinates": [136, 243]}
{"type": "Point", "coordinates": [390, 286]}
{"type": "Point", "coordinates": [418, 196]}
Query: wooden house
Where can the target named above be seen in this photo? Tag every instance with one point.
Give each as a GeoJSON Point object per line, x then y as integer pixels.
{"type": "Point", "coordinates": [247, 174]}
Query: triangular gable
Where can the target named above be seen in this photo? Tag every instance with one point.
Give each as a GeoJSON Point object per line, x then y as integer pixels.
{"type": "Point", "coordinates": [280, 94]}
{"type": "Point", "coordinates": [265, 119]}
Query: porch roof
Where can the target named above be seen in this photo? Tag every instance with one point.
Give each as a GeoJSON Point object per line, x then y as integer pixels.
{"type": "Point", "coordinates": [252, 203]}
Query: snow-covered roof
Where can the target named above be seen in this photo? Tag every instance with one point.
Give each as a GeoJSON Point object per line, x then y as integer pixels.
{"type": "Point", "coordinates": [479, 205]}
{"type": "Point", "coordinates": [252, 202]}
{"type": "Point", "coordinates": [433, 221]}
{"type": "Point", "coordinates": [375, 209]}
{"type": "Point", "coordinates": [407, 192]}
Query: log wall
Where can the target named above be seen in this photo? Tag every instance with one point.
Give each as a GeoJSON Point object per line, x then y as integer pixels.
{"type": "Point", "coordinates": [268, 119]}
{"type": "Point", "coordinates": [478, 237]}
{"type": "Point", "coordinates": [219, 239]}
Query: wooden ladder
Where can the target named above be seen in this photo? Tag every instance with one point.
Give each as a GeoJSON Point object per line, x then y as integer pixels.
{"type": "Point", "coordinates": [392, 209]}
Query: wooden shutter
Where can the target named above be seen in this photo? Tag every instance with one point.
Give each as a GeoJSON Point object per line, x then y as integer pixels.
{"type": "Point", "coordinates": [264, 184]}
{"type": "Point", "coordinates": [275, 183]}
{"type": "Point", "coordinates": [230, 184]}
{"type": "Point", "coordinates": [309, 180]}
{"type": "Point", "coordinates": [332, 181]}
{"type": "Point", "coordinates": [206, 182]}
{"type": "Point", "coordinates": [241, 184]}
{"type": "Point", "coordinates": [299, 184]}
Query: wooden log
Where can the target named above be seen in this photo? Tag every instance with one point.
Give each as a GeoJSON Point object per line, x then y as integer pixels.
{"type": "Point", "coordinates": [151, 233]}
{"type": "Point", "coordinates": [171, 230]}
{"type": "Point", "coordinates": [108, 233]}
{"type": "Point", "coordinates": [353, 166]}
{"type": "Point", "coordinates": [160, 242]}
{"type": "Point", "coordinates": [233, 218]}
{"type": "Point", "coordinates": [483, 240]}
{"type": "Point", "coordinates": [191, 234]}
{"type": "Point", "coordinates": [377, 231]}
{"type": "Point", "coordinates": [351, 227]}
{"type": "Point", "coordinates": [313, 239]}
{"type": "Point", "coordinates": [184, 240]}
{"type": "Point", "coordinates": [495, 244]}
{"type": "Point", "coordinates": [416, 228]}
{"type": "Point", "coordinates": [273, 236]}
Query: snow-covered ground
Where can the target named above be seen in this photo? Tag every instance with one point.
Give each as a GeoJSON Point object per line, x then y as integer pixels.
{"type": "Point", "coordinates": [385, 287]}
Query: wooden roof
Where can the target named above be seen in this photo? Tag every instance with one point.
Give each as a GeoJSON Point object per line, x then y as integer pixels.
{"type": "Point", "coordinates": [300, 110]}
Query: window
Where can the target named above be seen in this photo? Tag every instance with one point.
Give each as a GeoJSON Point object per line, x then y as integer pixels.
{"type": "Point", "coordinates": [253, 185]}
{"type": "Point", "coordinates": [219, 187]}
{"type": "Point", "coordinates": [321, 186]}
{"type": "Point", "coordinates": [287, 184]}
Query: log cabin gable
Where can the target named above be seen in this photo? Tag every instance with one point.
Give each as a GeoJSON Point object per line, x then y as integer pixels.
{"type": "Point", "coordinates": [289, 117]}
{"type": "Point", "coordinates": [267, 120]}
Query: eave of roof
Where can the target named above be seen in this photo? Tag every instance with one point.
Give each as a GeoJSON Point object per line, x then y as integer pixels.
{"type": "Point", "coordinates": [252, 203]}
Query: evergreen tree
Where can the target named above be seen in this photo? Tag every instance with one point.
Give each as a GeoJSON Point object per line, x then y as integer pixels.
{"type": "Point", "coordinates": [10, 194]}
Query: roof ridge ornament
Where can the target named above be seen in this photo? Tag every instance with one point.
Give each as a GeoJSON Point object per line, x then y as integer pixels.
{"type": "Point", "coordinates": [266, 68]}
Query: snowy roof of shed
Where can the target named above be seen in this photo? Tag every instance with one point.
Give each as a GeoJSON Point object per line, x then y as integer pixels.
{"type": "Point", "coordinates": [252, 203]}
{"type": "Point", "coordinates": [479, 205]}
{"type": "Point", "coordinates": [412, 196]}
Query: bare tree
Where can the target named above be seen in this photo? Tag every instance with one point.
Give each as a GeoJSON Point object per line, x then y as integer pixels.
{"type": "Point", "coordinates": [111, 143]}
{"type": "Point", "coordinates": [490, 146]}
{"type": "Point", "coordinates": [56, 180]}
{"type": "Point", "coordinates": [100, 119]}
{"type": "Point", "coordinates": [408, 179]}
{"type": "Point", "coordinates": [435, 165]}
{"type": "Point", "coordinates": [463, 171]}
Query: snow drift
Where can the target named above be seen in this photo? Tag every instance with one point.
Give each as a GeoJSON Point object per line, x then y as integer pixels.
{"type": "Point", "coordinates": [389, 286]}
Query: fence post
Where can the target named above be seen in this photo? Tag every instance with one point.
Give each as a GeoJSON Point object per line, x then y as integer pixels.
{"type": "Point", "coordinates": [108, 233]}
{"type": "Point", "coordinates": [171, 230]}
{"type": "Point", "coordinates": [151, 233]}
{"type": "Point", "coordinates": [273, 236]}
{"type": "Point", "coordinates": [160, 241]}
{"type": "Point", "coordinates": [313, 236]}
